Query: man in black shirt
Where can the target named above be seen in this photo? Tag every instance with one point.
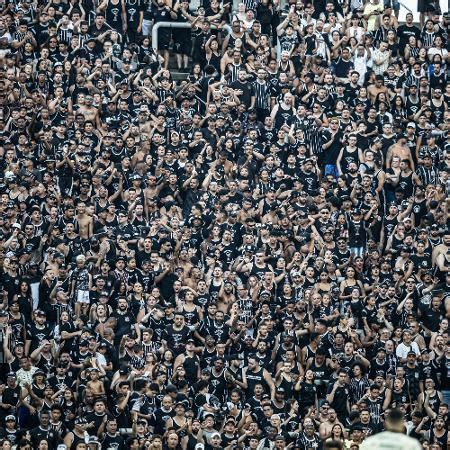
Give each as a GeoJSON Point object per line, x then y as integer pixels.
{"type": "Point", "coordinates": [97, 417]}
{"type": "Point", "coordinates": [338, 396]}
{"type": "Point", "coordinates": [331, 145]}
{"type": "Point", "coordinates": [344, 65]}
{"type": "Point", "coordinates": [112, 437]}
{"type": "Point", "coordinates": [126, 322]}
{"type": "Point", "coordinates": [162, 415]}
{"type": "Point", "coordinates": [405, 31]}
{"type": "Point", "coordinates": [44, 431]}
{"type": "Point", "coordinates": [175, 336]}
{"type": "Point", "coordinates": [244, 90]}
{"type": "Point", "coordinates": [37, 332]}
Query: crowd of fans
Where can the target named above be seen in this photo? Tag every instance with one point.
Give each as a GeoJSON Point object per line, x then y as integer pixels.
{"type": "Point", "coordinates": [253, 256]}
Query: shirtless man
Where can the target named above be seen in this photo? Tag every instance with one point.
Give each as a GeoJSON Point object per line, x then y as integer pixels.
{"type": "Point", "coordinates": [377, 88]}
{"type": "Point", "coordinates": [90, 112]}
{"type": "Point", "coordinates": [151, 191]}
{"type": "Point", "coordinates": [442, 248]}
{"type": "Point", "coordinates": [326, 427]}
{"type": "Point", "coordinates": [138, 159]}
{"type": "Point", "coordinates": [95, 384]}
{"type": "Point", "coordinates": [401, 150]}
{"type": "Point", "coordinates": [440, 259]}
{"type": "Point", "coordinates": [85, 222]}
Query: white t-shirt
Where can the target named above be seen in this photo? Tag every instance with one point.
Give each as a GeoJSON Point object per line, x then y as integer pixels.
{"type": "Point", "coordinates": [387, 440]}
{"type": "Point", "coordinates": [435, 51]}
{"type": "Point", "coordinates": [403, 350]}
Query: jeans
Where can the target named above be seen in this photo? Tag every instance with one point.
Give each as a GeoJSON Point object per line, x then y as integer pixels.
{"type": "Point", "coordinates": [331, 169]}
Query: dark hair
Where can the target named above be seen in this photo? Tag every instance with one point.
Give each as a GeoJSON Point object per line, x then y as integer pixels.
{"type": "Point", "coordinates": [395, 415]}
{"type": "Point", "coordinates": [332, 444]}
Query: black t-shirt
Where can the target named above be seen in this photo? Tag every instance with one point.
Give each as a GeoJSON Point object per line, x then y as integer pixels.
{"type": "Point", "coordinates": [431, 318]}
{"type": "Point", "coordinates": [331, 153]}
{"type": "Point", "coordinates": [115, 442]}
{"type": "Point", "coordinates": [39, 433]}
{"type": "Point", "coordinates": [176, 339]}
{"type": "Point", "coordinates": [10, 285]}
{"type": "Point", "coordinates": [124, 322]}
{"type": "Point", "coordinates": [37, 335]}
{"type": "Point", "coordinates": [98, 420]}
{"type": "Point", "coordinates": [247, 91]}
{"type": "Point", "coordinates": [404, 32]}
{"type": "Point", "coordinates": [159, 419]}
{"type": "Point", "coordinates": [307, 394]}
{"type": "Point", "coordinates": [343, 68]}
{"type": "Point", "coordinates": [341, 395]}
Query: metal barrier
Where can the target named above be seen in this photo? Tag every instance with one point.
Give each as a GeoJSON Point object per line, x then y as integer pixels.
{"type": "Point", "coordinates": [159, 25]}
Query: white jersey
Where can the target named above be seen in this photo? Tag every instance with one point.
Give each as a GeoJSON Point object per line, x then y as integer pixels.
{"type": "Point", "coordinates": [360, 64]}
{"type": "Point", "coordinates": [387, 440]}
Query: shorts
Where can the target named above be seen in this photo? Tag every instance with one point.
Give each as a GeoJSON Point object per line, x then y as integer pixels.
{"type": "Point", "coordinates": [83, 297]}
{"type": "Point", "coordinates": [182, 48]}
{"type": "Point", "coordinates": [331, 169]}
{"type": "Point", "coordinates": [164, 39]}
{"type": "Point", "coordinates": [146, 27]}
{"type": "Point", "coordinates": [394, 4]}
{"type": "Point", "coordinates": [424, 6]}
{"type": "Point", "coordinates": [357, 251]}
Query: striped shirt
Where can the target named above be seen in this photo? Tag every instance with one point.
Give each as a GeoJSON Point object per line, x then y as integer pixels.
{"type": "Point", "coordinates": [164, 93]}
{"type": "Point", "coordinates": [379, 69]}
{"type": "Point", "coordinates": [414, 51]}
{"type": "Point", "coordinates": [17, 36]}
{"type": "Point", "coordinates": [412, 79]}
{"type": "Point", "coordinates": [83, 38]}
{"type": "Point", "coordinates": [375, 408]}
{"type": "Point", "coordinates": [305, 442]}
{"type": "Point", "coordinates": [428, 176]}
{"type": "Point", "coordinates": [137, 362]}
{"type": "Point", "coordinates": [246, 309]}
{"type": "Point", "coordinates": [262, 94]}
{"type": "Point", "coordinates": [358, 388]}
{"type": "Point", "coordinates": [313, 137]}
{"type": "Point", "coordinates": [65, 35]}
{"type": "Point", "coordinates": [250, 4]}
{"type": "Point", "coordinates": [381, 35]}
{"type": "Point", "coordinates": [150, 348]}
{"type": "Point", "coordinates": [427, 38]}
{"type": "Point", "coordinates": [234, 71]}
